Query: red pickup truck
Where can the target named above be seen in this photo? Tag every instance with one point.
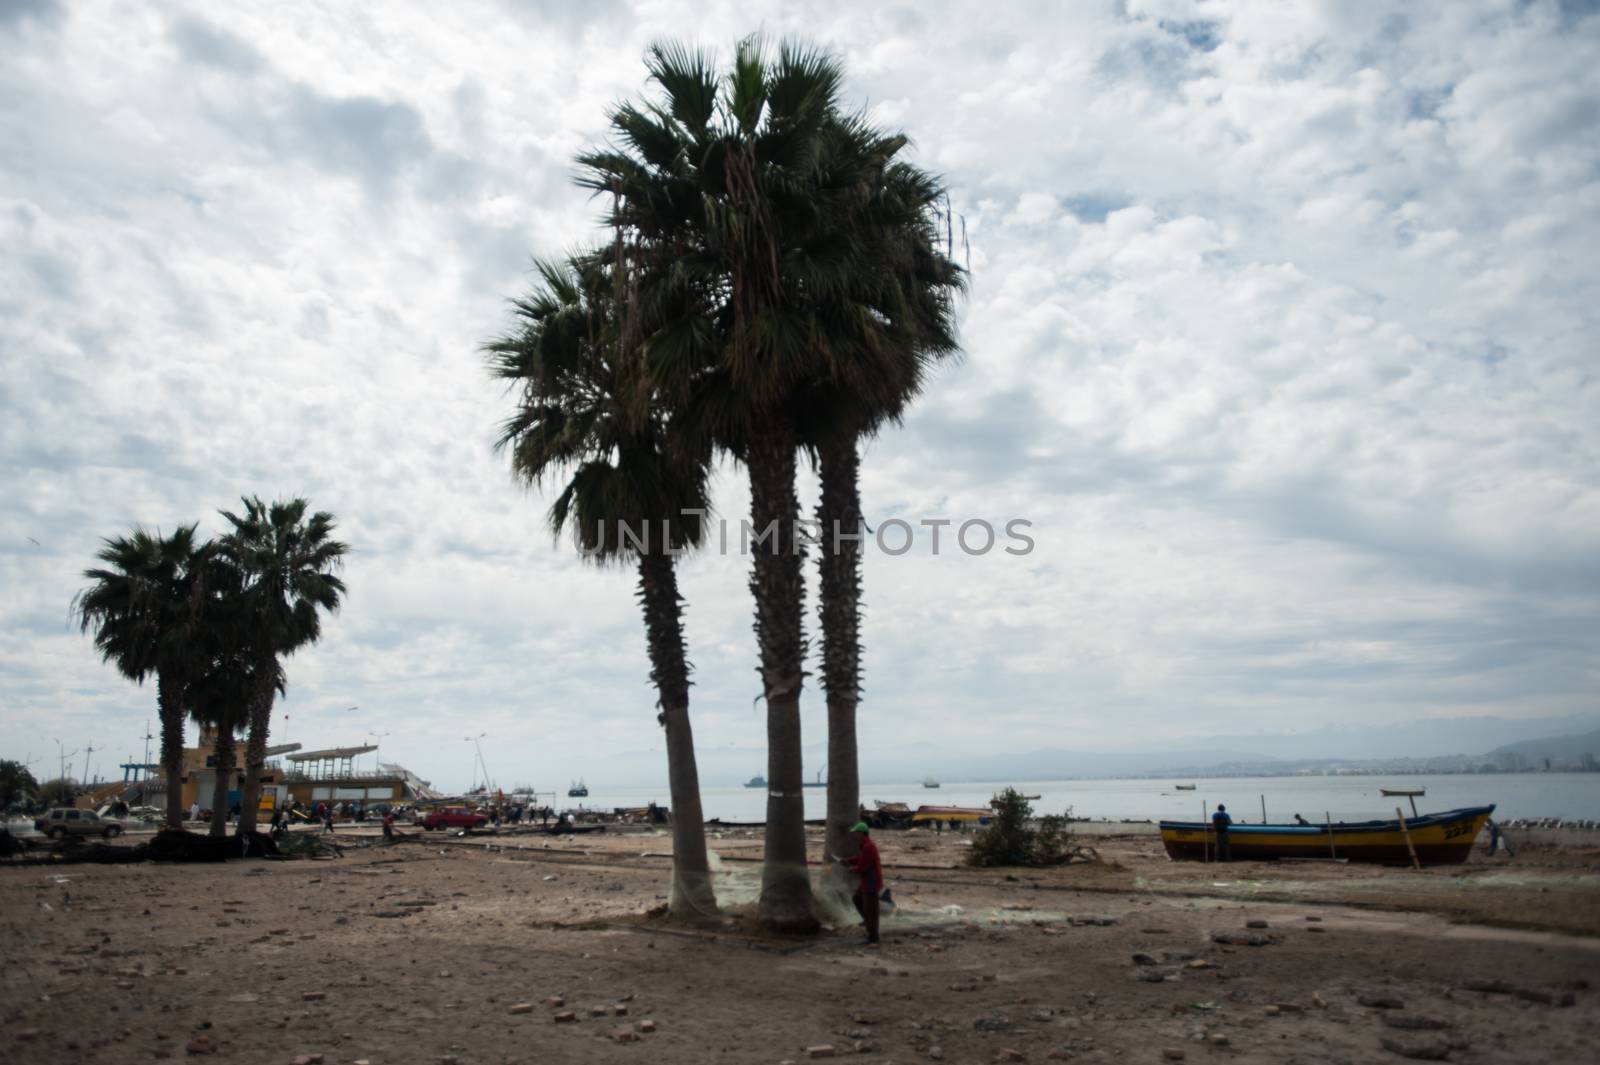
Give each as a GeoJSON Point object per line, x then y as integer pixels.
{"type": "Point", "coordinates": [454, 817]}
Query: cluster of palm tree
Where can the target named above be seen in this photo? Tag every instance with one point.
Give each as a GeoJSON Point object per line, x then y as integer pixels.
{"type": "Point", "coordinates": [775, 282]}
{"type": "Point", "coordinates": [212, 622]}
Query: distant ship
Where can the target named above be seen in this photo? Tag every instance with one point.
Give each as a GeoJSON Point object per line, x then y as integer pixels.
{"type": "Point", "coordinates": [579, 789]}
{"type": "Point", "coordinates": [929, 782]}
{"type": "Point", "coordinates": [1183, 787]}
{"type": "Point", "coordinates": [757, 781]}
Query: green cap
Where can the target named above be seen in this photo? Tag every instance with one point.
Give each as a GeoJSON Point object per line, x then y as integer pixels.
{"type": "Point", "coordinates": [859, 826]}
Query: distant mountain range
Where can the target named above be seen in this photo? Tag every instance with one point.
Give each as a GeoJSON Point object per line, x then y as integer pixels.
{"type": "Point", "coordinates": [1474, 738]}
{"type": "Point", "coordinates": [1468, 740]}
{"type": "Point", "coordinates": [1554, 747]}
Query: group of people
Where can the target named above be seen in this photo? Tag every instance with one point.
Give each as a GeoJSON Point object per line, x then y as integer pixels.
{"type": "Point", "coordinates": [520, 814]}
{"type": "Point", "coordinates": [323, 813]}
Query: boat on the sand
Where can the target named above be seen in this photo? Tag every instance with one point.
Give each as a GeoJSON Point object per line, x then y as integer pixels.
{"type": "Point", "coordinates": [969, 814]}
{"type": "Point", "coordinates": [1439, 839]}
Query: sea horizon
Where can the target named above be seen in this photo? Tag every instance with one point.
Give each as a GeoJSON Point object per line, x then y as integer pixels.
{"type": "Point", "coordinates": [1347, 797]}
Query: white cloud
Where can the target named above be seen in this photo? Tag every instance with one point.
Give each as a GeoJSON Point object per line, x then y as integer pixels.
{"type": "Point", "coordinates": [1281, 332]}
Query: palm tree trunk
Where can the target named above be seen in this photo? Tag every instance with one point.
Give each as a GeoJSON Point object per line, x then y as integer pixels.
{"type": "Point", "coordinates": [778, 585]}
{"type": "Point", "coordinates": [692, 894]}
{"type": "Point", "coordinates": [225, 766]}
{"type": "Point", "coordinates": [255, 748]}
{"type": "Point", "coordinates": [169, 704]}
{"type": "Point", "coordinates": [839, 565]}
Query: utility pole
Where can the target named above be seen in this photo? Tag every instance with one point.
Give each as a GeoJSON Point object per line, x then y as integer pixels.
{"type": "Point", "coordinates": [64, 755]}
{"type": "Point", "coordinates": [88, 759]}
{"type": "Point", "coordinates": [379, 736]}
{"type": "Point", "coordinates": [147, 738]}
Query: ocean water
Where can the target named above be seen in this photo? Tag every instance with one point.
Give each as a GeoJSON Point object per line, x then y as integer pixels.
{"type": "Point", "coordinates": [1568, 795]}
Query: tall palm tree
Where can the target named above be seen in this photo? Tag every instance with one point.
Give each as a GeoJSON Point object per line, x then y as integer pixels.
{"type": "Point", "coordinates": [797, 237]}
{"type": "Point", "coordinates": [146, 609]}
{"type": "Point", "coordinates": [900, 313]}
{"type": "Point", "coordinates": [586, 418]}
{"type": "Point", "coordinates": [721, 190]}
{"type": "Point", "coordinates": [285, 562]}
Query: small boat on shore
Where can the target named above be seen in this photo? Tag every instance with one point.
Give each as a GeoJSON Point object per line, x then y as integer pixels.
{"type": "Point", "coordinates": [1403, 793]}
{"type": "Point", "coordinates": [969, 814]}
{"type": "Point", "coordinates": [1439, 839]}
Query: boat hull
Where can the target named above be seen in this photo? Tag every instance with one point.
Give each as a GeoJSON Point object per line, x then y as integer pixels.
{"type": "Point", "coordinates": [1440, 839]}
{"type": "Point", "coordinates": [969, 814]}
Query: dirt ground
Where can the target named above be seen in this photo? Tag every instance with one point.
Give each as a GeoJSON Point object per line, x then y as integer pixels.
{"type": "Point", "coordinates": [444, 950]}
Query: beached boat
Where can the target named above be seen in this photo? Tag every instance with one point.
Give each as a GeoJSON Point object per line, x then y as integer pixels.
{"type": "Point", "coordinates": [1439, 839]}
{"type": "Point", "coordinates": [952, 813]}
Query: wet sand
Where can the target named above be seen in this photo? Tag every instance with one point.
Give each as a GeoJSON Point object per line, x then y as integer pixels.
{"type": "Point", "coordinates": [425, 952]}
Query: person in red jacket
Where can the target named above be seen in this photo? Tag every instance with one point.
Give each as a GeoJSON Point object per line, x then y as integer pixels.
{"type": "Point", "coordinates": [869, 868]}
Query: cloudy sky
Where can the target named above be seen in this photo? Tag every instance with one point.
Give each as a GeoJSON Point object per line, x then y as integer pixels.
{"type": "Point", "coordinates": [1282, 334]}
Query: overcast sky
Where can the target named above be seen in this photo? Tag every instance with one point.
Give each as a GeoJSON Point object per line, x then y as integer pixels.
{"type": "Point", "coordinates": [1282, 333]}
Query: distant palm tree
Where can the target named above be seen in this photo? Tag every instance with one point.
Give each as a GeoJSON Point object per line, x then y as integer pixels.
{"type": "Point", "coordinates": [146, 608]}
{"type": "Point", "coordinates": [285, 562]}
{"type": "Point", "coordinates": [227, 683]}
{"type": "Point", "coordinates": [587, 420]}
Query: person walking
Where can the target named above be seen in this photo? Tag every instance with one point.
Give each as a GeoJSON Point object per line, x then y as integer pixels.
{"type": "Point", "coordinates": [869, 868]}
{"type": "Point", "coordinates": [1219, 823]}
{"type": "Point", "coordinates": [327, 820]}
{"type": "Point", "coordinates": [388, 825]}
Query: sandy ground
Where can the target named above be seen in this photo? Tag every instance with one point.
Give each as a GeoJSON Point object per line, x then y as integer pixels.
{"type": "Point", "coordinates": [419, 952]}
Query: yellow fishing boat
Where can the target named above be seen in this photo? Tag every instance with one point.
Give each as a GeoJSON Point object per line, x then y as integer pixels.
{"type": "Point", "coordinates": [1439, 839]}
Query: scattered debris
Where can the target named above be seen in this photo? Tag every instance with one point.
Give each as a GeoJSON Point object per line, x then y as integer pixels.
{"type": "Point", "coordinates": [1411, 1022]}
{"type": "Point", "coordinates": [1417, 1051]}
{"type": "Point", "coordinates": [1527, 994]}
{"type": "Point", "coordinates": [1381, 1002]}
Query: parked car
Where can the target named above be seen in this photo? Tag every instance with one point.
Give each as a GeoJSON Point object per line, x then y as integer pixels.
{"type": "Point", "coordinates": [454, 817]}
{"type": "Point", "coordinates": [66, 821]}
